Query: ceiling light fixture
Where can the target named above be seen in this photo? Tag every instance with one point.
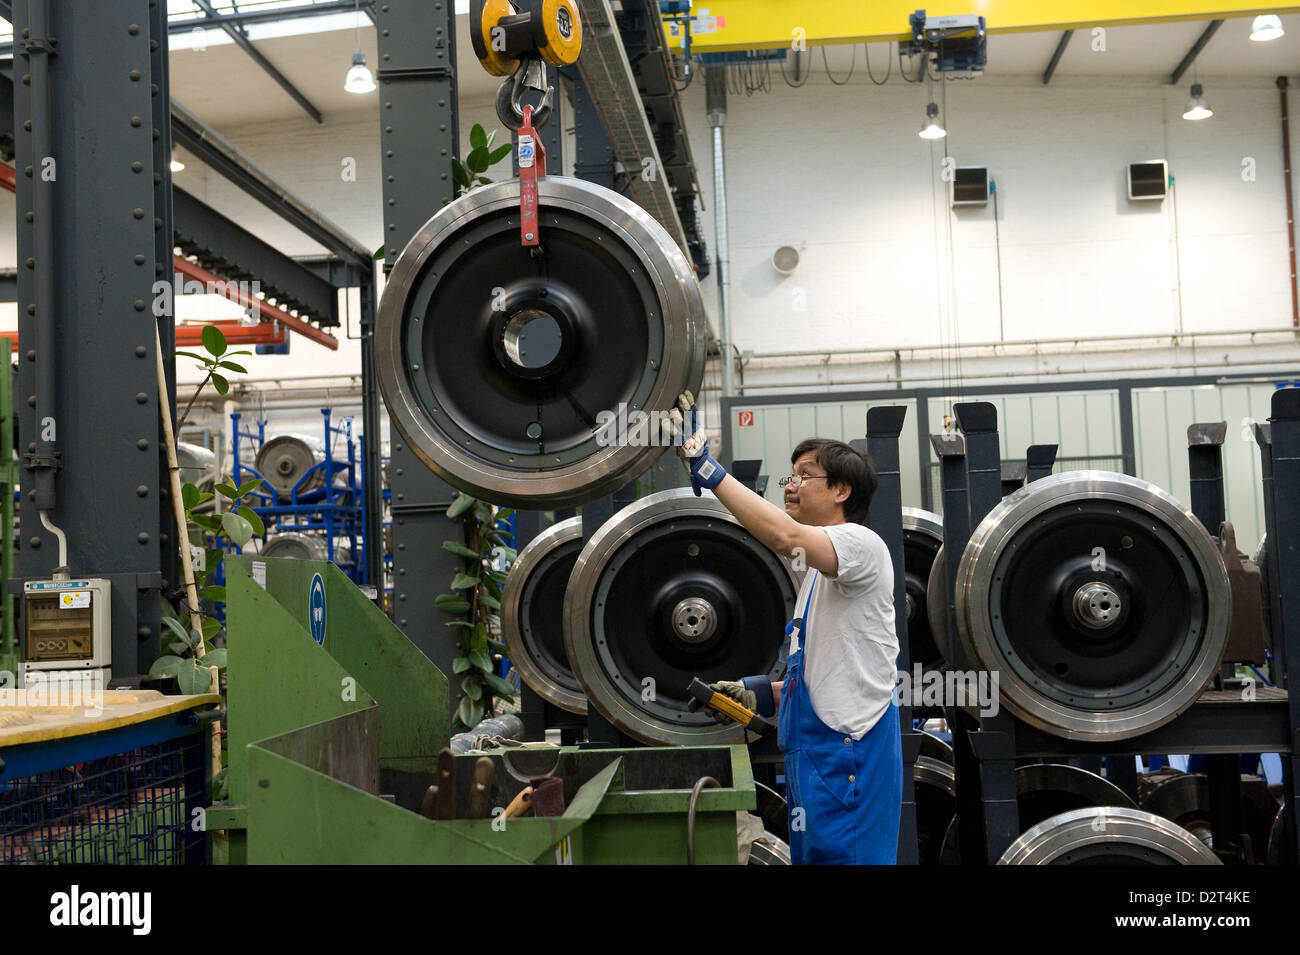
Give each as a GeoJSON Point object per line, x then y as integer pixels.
{"type": "Point", "coordinates": [1197, 109]}
{"type": "Point", "coordinates": [1266, 27]}
{"type": "Point", "coordinates": [932, 129]}
{"type": "Point", "coordinates": [359, 78]}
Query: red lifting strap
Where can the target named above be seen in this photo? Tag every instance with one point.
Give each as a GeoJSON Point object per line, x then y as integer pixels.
{"type": "Point", "coordinates": [532, 163]}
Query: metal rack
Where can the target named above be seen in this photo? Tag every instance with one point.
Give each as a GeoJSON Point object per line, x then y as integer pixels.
{"type": "Point", "coordinates": [336, 508]}
{"type": "Point", "coordinates": [1221, 723]}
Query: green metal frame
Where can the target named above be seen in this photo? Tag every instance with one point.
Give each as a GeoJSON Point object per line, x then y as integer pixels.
{"type": "Point", "coordinates": [318, 732]}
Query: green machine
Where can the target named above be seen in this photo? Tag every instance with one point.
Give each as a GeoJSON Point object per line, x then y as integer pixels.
{"type": "Point", "coordinates": [335, 728]}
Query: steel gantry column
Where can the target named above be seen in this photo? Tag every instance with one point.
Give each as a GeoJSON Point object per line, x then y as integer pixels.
{"type": "Point", "coordinates": [93, 237]}
{"type": "Point", "coordinates": [418, 138]}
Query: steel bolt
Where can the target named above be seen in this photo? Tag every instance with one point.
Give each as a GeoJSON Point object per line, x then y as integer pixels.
{"type": "Point", "coordinates": [143, 444]}
{"type": "Point", "coordinates": [142, 537]}
{"type": "Point", "coordinates": [142, 490]}
{"type": "Point", "coordinates": [141, 397]}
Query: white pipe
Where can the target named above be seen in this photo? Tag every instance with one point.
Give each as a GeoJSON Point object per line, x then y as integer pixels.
{"type": "Point", "coordinates": [61, 571]}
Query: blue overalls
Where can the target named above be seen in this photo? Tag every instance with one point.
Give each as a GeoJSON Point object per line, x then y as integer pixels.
{"type": "Point", "coordinates": [844, 795]}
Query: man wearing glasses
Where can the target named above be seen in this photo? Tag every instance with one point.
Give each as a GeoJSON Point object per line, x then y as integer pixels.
{"type": "Point", "coordinates": [838, 725]}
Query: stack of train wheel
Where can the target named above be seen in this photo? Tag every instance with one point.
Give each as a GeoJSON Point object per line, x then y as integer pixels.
{"type": "Point", "coordinates": [496, 362]}
{"type": "Point", "coordinates": [1098, 599]}
{"type": "Point", "coordinates": [1104, 607]}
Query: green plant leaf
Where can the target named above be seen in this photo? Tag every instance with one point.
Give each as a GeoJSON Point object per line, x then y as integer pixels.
{"type": "Point", "coordinates": [483, 512]}
{"type": "Point", "coordinates": [189, 495]}
{"type": "Point", "coordinates": [497, 647]}
{"type": "Point", "coordinates": [379, 253]}
{"type": "Point", "coordinates": [471, 687]}
{"type": "Point", "coordinates": [228, 491]}
{"type": "Point", "coordinates": [491, 601]}
{"type": "Point", "coordinates": [250, 515]}
{"type": "Point", "coordinates": [248, 487]}
{"type": "Point", "coordinates": [204, 497]}
{"type": "Point", "coordinates": [459, 506]}
{"type": "Point", "coordinates": [178, 646]}
{"type": "Point", "coordinates": [461, 665]}
{"type": "Point", "coordinates": [470, 712]}
{"type": "Point", "coordinates": [500, 153]}
{"type": "Point", "coordinates": [478, 639]}
{"type": "Point", "coordinates": [215, 658]}
{"type": "Point", "coordinates": [214, 593]}
{"type": "Point", "coordinates": [492, 588]}
{"type": "Point", "coordinates": [213, 559]}
{"type": "Point", "coordinates": [192, 677]}
{"type": "Point", "coordinates": [164, 667]}
{"type": "Point", "coordinates": [238, 528]}
{"type": "Point", "coordinates": [498, 536]}
{"type": "Point", "coordinates": [233, 366]}
{"type": "Point", "coordinates": [498, 686]}
{"type": "Point", "coordinates": [491, 138]}
{"type": "Point", "coordinates": [189, 354]}
{"type": "Point", "coordinates": [459, 174]}
{"type": "Point", "coordinates": [481, 660]}
{"type": "Point", "coordinates": [209, 522]}
{"type": "Point", "coordinates": [211, 627]}
{"type": "Point", "coordinates": [462, 581]}
{"type": "Point", "coordinates": [477, 136]}
{"type": "Point", "coordinates": [460, 549]}
{"type": "Point", "coordinates": [450, 604]}
{"type": "Point", "coordinates": [505, 513]}
{"type": "Point", "coordinates": [459, 623]}
{"type": "Point", "coordinates": [220, 383]}
{"type": "Point", "coordinates": [477, 160]}
{"type": "Point", "coordinates": [214, 341]}
{"type": "Point", "coordinates": [179, 631]}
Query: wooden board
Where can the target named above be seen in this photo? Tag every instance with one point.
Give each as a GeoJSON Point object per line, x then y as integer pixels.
{"type": "Point", "coordinates": [21, 723]}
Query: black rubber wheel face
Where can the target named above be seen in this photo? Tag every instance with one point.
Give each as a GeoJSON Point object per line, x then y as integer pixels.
{"type": "Point", "coordinates": [502, 366]}
{"type": "Point", "coordinates": [541, 343]}
{"type": "Point", "coordinates": [936, 803]}
{"type": "Point", "coordinates": [650, 576]}
{"type": "Point", "coordinates": [919, 550]}
{"type": "Point", "coordinates": [543, 603]}
{"type": "Point", "coordinates": [1140, 654]}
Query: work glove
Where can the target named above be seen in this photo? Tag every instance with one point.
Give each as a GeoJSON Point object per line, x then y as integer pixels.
{"type": "Point", "coordinates": [704, 469]}
{"type": "Point", "coordinates": [734, 689]}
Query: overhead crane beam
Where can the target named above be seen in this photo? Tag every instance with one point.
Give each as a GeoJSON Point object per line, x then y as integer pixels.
{"type": "Point", "coordinates": [772, 24]}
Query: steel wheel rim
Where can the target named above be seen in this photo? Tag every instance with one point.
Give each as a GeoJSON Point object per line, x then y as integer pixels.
{"type": "Point", "coordinates": [579, 633]}
{"type": "Point", "coordinates": [975, 577]}
{"type": "Point", "coordinates": [681, 364]}
{"type": "Point", "coordinates": [536, 556]}
{"type": "Point", "coordinates": [1077, 831]}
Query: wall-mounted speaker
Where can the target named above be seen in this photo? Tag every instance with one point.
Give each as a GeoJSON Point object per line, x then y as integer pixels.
{"type": "Point", "coordinates": [970, 186]}
{"type": "Point", "coordinates": [1148, 180]}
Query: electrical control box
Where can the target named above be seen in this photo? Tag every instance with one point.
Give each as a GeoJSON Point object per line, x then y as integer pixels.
{"type": "Point", "coordinates": [67, 625]}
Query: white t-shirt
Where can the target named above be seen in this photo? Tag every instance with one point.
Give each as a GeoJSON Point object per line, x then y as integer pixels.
{"type": "Point", "coordinates": [850, 649]}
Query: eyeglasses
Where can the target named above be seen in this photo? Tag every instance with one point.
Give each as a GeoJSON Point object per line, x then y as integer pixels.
{"type": "Point", "coordinates": [795, 480]}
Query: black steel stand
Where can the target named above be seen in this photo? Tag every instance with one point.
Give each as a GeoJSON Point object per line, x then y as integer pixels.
{"type": "Point", "coordinates": [885, 517]}
{"type": "Point", "coordinates": [1222, 723]}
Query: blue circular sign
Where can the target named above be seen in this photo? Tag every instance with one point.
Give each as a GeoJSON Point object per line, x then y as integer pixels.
{"type": "Point", "coordinates": [316, 610]}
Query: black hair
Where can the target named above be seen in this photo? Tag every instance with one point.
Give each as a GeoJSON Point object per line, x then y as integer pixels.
{"type": "Point", "coordinates": [846, 467]}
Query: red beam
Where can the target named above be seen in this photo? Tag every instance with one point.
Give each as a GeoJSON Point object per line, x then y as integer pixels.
{"type": "Point", "coordinates": [187, 268]}
{"type": "Point", "coordinates": [264, 333]}
{"type": "Point", "coordinates": [269, 313]}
